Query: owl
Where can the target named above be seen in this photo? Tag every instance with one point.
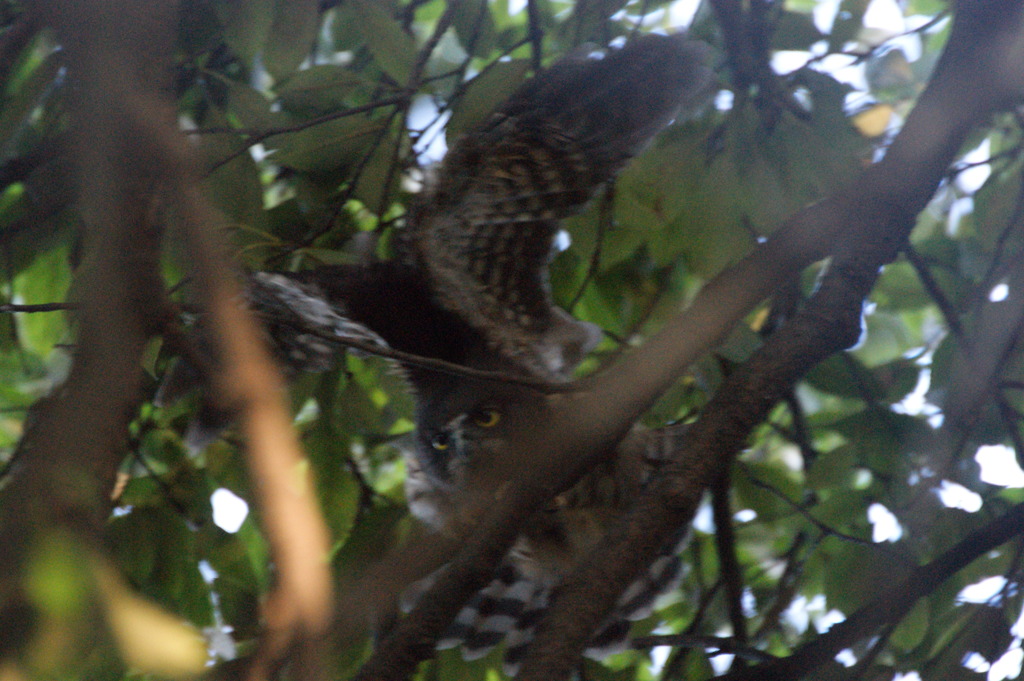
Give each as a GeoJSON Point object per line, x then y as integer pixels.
{"type": "Point", "coordinates": [469, 285]}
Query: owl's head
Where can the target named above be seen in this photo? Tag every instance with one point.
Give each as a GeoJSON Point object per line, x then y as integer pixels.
{"type": "Point", "coordinates": [463, 425]}
{"type": "Point", "coordinates": [464, 430]}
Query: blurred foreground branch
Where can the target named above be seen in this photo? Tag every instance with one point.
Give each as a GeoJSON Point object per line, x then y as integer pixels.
{"type": "Point", "coordinates": [134, 170]}
{"type": "Point", "coordinates": [76, 438]}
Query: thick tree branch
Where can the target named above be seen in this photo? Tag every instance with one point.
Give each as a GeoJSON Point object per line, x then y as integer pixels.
{"type": "Point", "coordinates": [298, 611]}
{"type": "Point", "coordinates": [830, 322]}
{"type": "Point", "coordinates": [872, 220]}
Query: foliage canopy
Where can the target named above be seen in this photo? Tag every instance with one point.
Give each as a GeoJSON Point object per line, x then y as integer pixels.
{"type": "Point", "coordinates": [314, 123]}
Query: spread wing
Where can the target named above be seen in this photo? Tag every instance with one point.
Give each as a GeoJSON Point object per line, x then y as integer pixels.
{"type": "Point", "coordinates": [480, 240]}
{"type": "Point", "coordinates": [483, 235]}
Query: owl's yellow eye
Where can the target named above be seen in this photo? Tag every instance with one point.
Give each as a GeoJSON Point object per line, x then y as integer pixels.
{"type": "Point", "coordinates": [441, 442]}
{"type": "Point", "coordinates": [487, 418]}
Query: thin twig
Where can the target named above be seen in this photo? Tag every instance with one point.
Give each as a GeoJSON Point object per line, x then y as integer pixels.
{"type": "Point", "coordinates": [536, 35]}
{"type": "Point", "coordinates": [257, 135]}
{"type": "Point", "coordinates": [891, 604]}
{"type": "Point", "coordinates": [604, 218]}
{"type": "Point", "coordinates": [787, 584]}
{"type": "Point", "coordinates": [807, 515]}
{"type": "Point", "coordinates": [40, 307]}
{"type": "Point", "coordinates": [935, 292]}
{"type": "Point", "coordinates": [439, 365]}
{"type": "Point", "coordinates": [714, 645]}
{"type": "Point", "coordinates": [254, 137]}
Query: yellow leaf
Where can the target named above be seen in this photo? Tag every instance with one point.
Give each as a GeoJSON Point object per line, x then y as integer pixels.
{"type": "Point", "coordinates": [873, 122]}
{"type": "Point", "coordinates": [150, 639]}
{"type": "Point", "coordinates": [758, 322]}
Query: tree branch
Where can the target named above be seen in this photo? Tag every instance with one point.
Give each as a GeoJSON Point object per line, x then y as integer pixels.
{"type": "Point", "coordinates": [39, 307]}
{"type": "Point", "coordinates": [725, 543]}
{"type": "Point", "coordinates": [869, 223]}
{"type": "Point", "coordinates": [434, 364]}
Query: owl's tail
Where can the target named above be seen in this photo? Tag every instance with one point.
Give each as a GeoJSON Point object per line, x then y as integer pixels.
{"type": "Point", "coordinates": [510, 607]}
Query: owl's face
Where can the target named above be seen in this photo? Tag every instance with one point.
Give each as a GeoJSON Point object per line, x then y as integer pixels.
{"type": "Point", "coordinates": [464, 425]}
{"type": "Point", "coordinates": [463, 431]}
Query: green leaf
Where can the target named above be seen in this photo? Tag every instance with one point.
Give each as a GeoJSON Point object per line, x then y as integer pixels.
{"type": "Point", "coordinates": [853, 573]}
{"type": "Point", "coordinates": [19, 102]}
{"type": "Point", "coordinates": [474, 25]}
{"type": "Point", "coordinates": [897, 379]}
{"type": "Point", "coordinates": [899, 288]}
{"type": "Point", "coordinates": [392, 48]}
{"type": "Point", "coordinates": [234, 186]}
{"type": "Point", "coordinates": [292, 33]}
{"type": "Point", "coordinates": [841, 375]}
{"type": "Point", "coordinates": [237, 585]}
{"type": "Point", "coordinates": [882, 437]}
{"type": "Point", "coordinates": [996, 206]}
{"type": "Point", "coordinates": [378, 179]}
{"type": "Point", "coordinates": [46, 280]}
{"type": "Point", "coordinates": [484, 93]}
{"type": "Point", "coordinates": [888, 338]}
{"type": "Point", "coordinates": [327, 146]}
{"type": "Point", "coordinates": [848, 23]}
{"type": "Point", "coordinates": [320, 89]}
{"type": "Point", "coordinates": [149, 638]}
{"type": "Point", "coordinates": [795, 31]}
{"type": "Point", "coordinates": [765, 492]}
{"type": "Point", "coordinates": [691, 214]}
{"type": "Point", "coordinates": [925, 7]}
{"type": "Point", "coordinates": [834, 468]}
{"type": "Point", "coordinates": [157, 551]}
{"type": "Point", "coordinates": [249, 106]}
{"type": "Point", "coordinates": [247, 25]}
{"type": "Point", "coordinates": [844, 509]}
{"type": "Point", "coordinates": [913, 628]}
{"type": "Point", "coordinates": [374, 536]}
{"type": "Point", "coordinates": [56, 580]}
